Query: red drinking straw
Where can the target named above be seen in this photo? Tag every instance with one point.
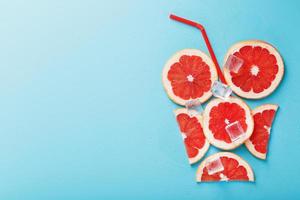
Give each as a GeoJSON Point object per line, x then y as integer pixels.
{"type": "Point", "coordinates": [208, 45]}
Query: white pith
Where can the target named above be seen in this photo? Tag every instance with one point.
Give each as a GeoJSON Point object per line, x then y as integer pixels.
{"type": "Point", "coordinates": [205, 147]}
{"type": "Point", "coordinates": [227, 121]}
{"type": "Point", "coordinates": [241, 162]}
{"type": "Point", "coordinates": [252, 95]}
{"type": "Point", "coordinates": [175, 58]}
{"type": "Point", "coordinates": [254, 70]}
{"type": "Point", "coordinates": [190, 78]}
{"type": "Point", "coordinates": [248, 143]}
{"type": "Point", "coordinates": [219, 143]}
{"type": "Point", "coordinates": [223, 177]}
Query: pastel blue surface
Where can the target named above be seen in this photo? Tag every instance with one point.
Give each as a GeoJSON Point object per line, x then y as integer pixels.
{"type": "Point", "coordinates": [84, 114]}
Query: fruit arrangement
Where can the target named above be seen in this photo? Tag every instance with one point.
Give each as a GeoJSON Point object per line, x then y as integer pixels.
{"type": "Point", "coordinates": [252, 70]}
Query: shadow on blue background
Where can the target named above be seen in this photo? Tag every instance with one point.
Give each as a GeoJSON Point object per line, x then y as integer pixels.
{"type": "Point", "coordinates": [84, 114]}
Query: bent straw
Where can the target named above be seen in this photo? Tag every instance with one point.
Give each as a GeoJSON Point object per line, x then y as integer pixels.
{"type": "Point", "coordinates": [208, 45]}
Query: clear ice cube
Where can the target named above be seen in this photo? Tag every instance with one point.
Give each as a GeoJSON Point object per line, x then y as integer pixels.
{"type": "Point", "coordinates": [214, 165]}
{"type": "Point", "coordinates": [194, 107]}
{"type": "Point", "coordinates": [235, 131]}
{"type": "Point", "coordinates": [234, 63]}
{"type": "Point", "coordinates": [221, 90]}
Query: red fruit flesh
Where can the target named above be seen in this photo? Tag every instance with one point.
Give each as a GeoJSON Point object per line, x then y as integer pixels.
{"type": "Point", "coordinates": [258, 70]}
{"type": "Point", "coordinates": [262, 124]}
{"type": "Point", "coordinates": [223, 114]}
{"type": "Point", "coordinates": [190, 77]}
{"type": "Point", "coordinates": [194, 138]}
{"type": "Point", "coordinates": [232, 171]}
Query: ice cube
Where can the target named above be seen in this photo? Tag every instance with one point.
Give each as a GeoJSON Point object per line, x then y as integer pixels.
{"type": "Point", "coordinates": [234, 63]}
{"type": "Point", "coordinates": [221, 90]}
{"type": "Point", "coordinates": [214, 165]}
{"type": "Point", "coordinates": [235, 131]}
{"type": "Point", "coordinates": [194, 107]}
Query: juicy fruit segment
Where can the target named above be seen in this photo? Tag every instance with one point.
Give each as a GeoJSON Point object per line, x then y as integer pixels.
{"type": "Point", "coordinates": [194, 139]}
{"type": "Point", "coordinates": [223, 114]}
{"type": "Point", "coordinates": [258, 142]}
{"type": "Point", "coordinates": [260, 73]}
{"type": "Point", "coordinates": [234, 169]}
{"type": "Point", "coordinates": [192, 131]}
{"type": "Point", "coordinates": [188, 75]}
{"type": "Point", "coordinates": [219, 114]}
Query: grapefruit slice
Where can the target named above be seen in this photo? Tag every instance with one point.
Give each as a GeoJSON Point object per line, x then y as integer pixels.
{"type": "Point", "coordinates": [234, 169]}
{"type": "Point", "coordinates": [191, 130]}
{"type": "Point", "coordinates": [263, 117]}
{"type": "Point", "coordinates": [260, 73]}
{"type": "Point", "coordinates": [218, 114]}
{"type": "Point", "coordinates": [188, 75]}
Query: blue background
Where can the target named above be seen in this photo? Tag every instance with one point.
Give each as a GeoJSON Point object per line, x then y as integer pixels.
{"type": "Point", "coordinates": [84, 114]}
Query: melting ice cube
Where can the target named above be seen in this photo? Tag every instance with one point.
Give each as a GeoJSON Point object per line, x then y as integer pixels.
{"type": "Point", "coordinates": [194, 107]}
{"type": "Point", "coordinates": [235, 131]}
{"type": "Point", "coordinates": [214, 165]}
{"type": "Point", "coordinates": [221, 90]}
{"type": "Point", "coordinates": [234, 63]}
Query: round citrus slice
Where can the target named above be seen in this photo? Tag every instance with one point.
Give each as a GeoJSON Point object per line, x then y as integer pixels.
{"type": "Point", "coordinates": [232, 168]}
{"type": "Point", "coordinates": [188, 75]}
{"type": "Point", "coordinates": [260, 73]}
{"type": "Point", "coordinates": [191, 130]}
{"type": "Point", "coordinates": [227, 124]}
{"type": "Point", "coordinates": [263, 117]}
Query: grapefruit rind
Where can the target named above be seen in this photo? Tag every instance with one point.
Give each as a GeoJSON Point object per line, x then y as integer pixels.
{"type": "Point", "coordinates": [248, 143]}
{"type": "Point", "coordinates": [175, 58]}
{"type": "Point", "coordinates": [203, 150]}
{"type": "Point", "coordinates": [219, 143]}
{"type": "Point", "coordinates": [241, 161]}
{"type": "Point", "coordinates": [275, 82]}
